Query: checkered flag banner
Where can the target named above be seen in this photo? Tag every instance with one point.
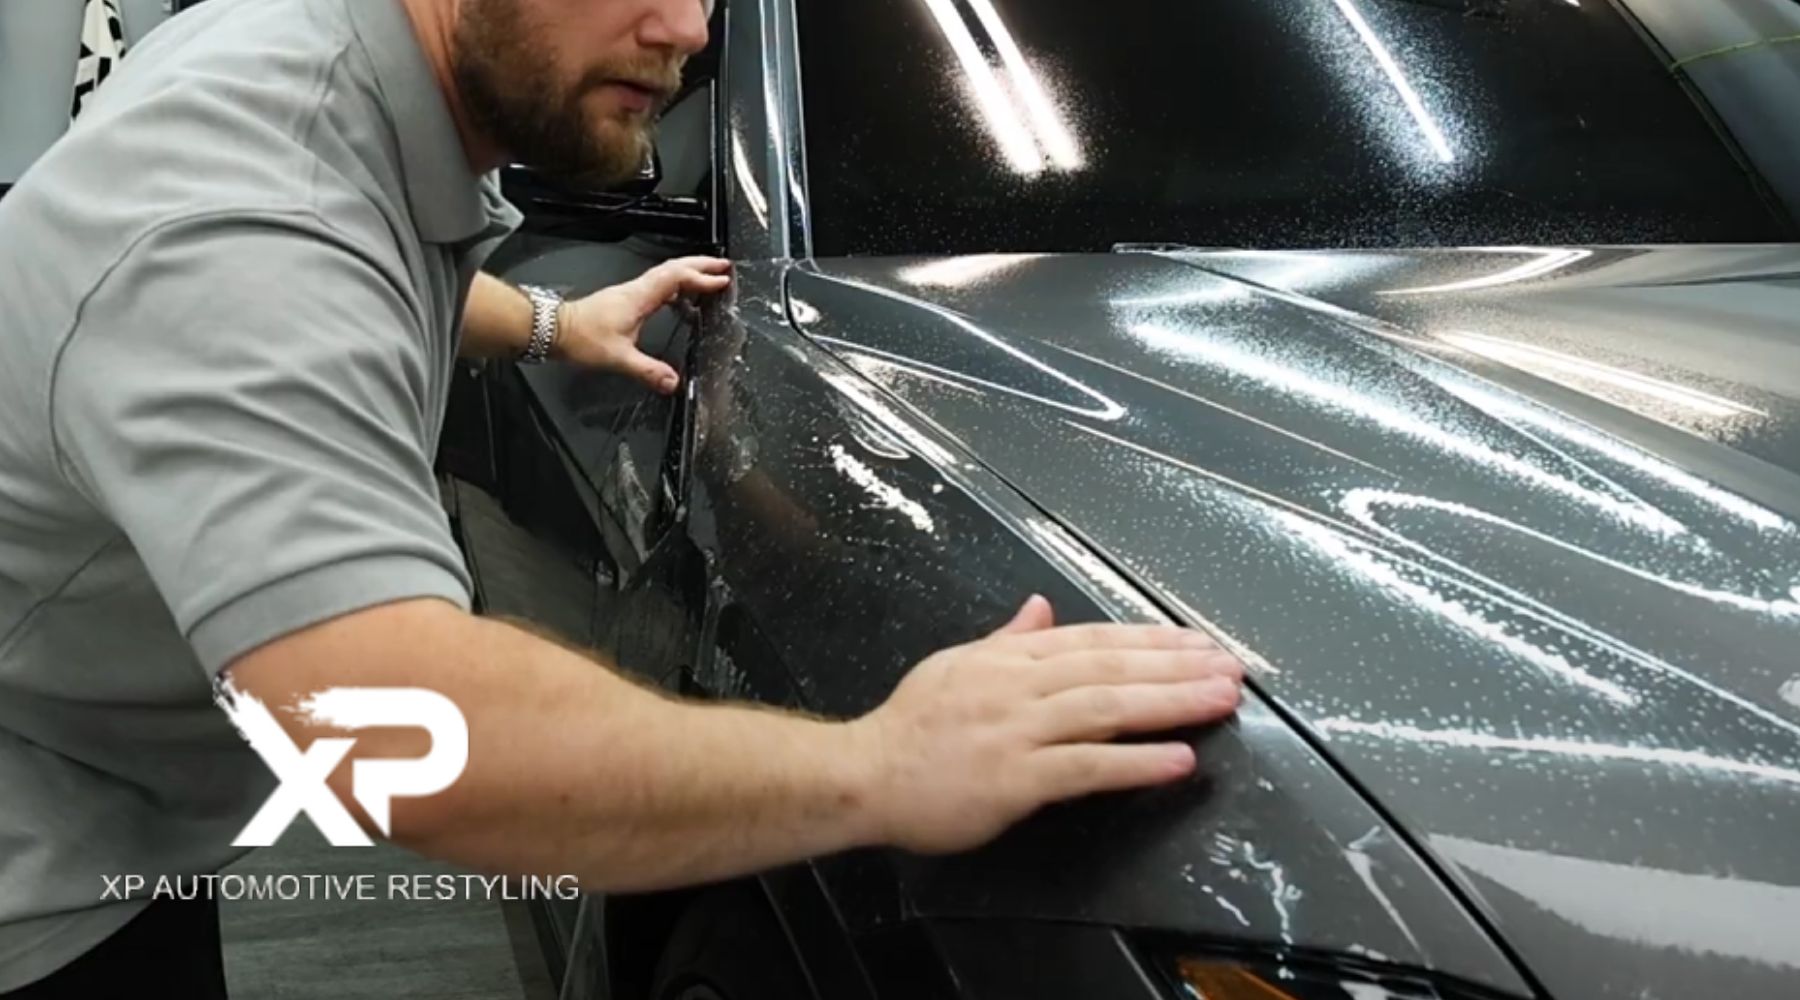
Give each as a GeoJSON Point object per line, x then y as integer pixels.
{"type": "Point", "coordinates": [102, 46]}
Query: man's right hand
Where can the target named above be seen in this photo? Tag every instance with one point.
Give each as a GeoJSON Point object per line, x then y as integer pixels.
{"type": "Point", "coordinates": [979, 736]}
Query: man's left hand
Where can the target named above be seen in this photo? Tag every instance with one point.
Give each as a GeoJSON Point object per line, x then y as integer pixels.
{"type": "Point", "coordinates": [601, 331]}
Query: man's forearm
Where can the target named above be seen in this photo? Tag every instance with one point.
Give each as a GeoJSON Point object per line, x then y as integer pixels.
{"type": "Point", "coordinates": [574, 770]}
{"type": "Point", "coordinates": [496, 320]}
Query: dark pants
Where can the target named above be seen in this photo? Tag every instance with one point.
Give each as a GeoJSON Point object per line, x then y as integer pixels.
{"type": "Point", "coordinates": [171, 949]}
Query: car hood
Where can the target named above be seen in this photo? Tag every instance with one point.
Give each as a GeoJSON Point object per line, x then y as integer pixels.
{"type": "Point", "coordinates": [1511, 534]}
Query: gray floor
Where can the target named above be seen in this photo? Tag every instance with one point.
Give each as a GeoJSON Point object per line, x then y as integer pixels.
{"type": "Point", "coordinates": [317, 949]}
{"type": "Point", "coordinates": [521, 575]}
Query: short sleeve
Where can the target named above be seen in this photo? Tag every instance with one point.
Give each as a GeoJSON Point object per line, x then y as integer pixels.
{"type": "Point", "coordinates": [250, 401]}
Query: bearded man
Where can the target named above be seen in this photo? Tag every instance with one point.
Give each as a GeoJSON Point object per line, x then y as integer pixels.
{"type": "Point", "coordinates": [230, 302]}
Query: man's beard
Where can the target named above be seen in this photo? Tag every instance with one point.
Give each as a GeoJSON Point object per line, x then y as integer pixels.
{"type": "Point", "coordinates": [512, 95]}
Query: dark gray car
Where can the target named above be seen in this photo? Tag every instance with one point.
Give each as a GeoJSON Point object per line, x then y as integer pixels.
{"type": "Point", "coordinates": [1441, 356]}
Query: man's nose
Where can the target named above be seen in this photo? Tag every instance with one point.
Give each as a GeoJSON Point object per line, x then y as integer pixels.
{"type": "Point", "coordinates": [677, 24]}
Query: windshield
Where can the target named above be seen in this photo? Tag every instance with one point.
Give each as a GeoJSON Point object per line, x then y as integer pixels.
{"type": "Point", "coordinates": [957, 126]}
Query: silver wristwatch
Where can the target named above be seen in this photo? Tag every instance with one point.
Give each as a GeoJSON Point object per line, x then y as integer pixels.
{"type": "Point", "coordinates": [546, 310]}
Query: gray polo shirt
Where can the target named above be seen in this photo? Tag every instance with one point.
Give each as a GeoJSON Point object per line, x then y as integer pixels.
{"type": "Point", "coordinates": [229, 303]}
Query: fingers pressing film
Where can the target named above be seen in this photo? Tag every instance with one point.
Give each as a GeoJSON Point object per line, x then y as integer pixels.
{"type": "Point", "coordinates": [1035, 615]}
{"type": "Point", "coordinates": [1092, 638]}
{"type": "Point", "coordinates": [1067, 772]}
{"type": "Point", "coordinates": [1132, 666]}
{"type": "Point", "coordinates": [1089, 714]}
{"type": "Point", "coordinates": [664, 283]}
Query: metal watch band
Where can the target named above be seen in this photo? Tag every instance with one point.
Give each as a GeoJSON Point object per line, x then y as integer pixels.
{"type": "Point", "coordinates": [544, 316]}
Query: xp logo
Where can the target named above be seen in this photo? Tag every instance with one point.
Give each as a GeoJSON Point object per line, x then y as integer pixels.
{"type": "Point", "coordinates": [374, 783]}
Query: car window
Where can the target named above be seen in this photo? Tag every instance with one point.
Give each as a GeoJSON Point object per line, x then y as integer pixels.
{"type": "Point", "coordinates": [939, 126]}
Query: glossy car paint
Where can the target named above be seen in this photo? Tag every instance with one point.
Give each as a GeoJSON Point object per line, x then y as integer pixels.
{"type": "Point", "coordinates": [1739, 55]}
{"type": "Point", "coordinates": [1281, 124]}
{"type": "Point", "coordinates": [816, 513]}
{"type": "Point", "coordinates": [827, 544]}
{"type": "Point", "coordinates": [1660, 345]}
{"type": "Point", "coordinates": [938, 549]}
{"type": "Point", "coordinates": [1562, 659]}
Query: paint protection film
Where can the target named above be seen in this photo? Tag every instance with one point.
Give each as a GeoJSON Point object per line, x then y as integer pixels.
{"type": "Point", "coordinates": [955, 126]}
